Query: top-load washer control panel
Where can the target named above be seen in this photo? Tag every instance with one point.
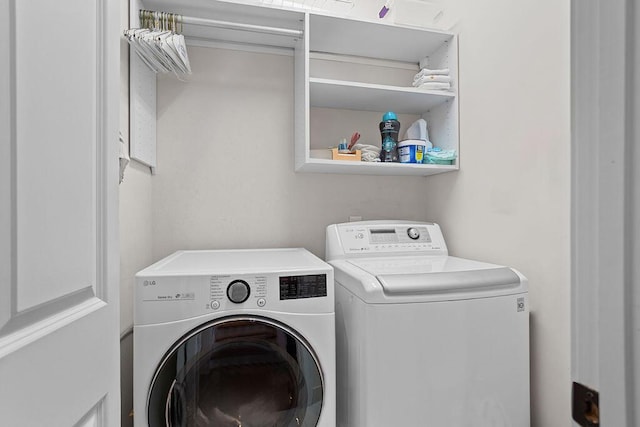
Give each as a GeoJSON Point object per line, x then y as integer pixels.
{"type": "Point", "coordinates": [372, 238]}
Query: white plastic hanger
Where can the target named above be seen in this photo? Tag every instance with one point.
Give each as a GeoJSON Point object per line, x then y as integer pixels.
{"type": "Point", "coordinates": [158, 44]}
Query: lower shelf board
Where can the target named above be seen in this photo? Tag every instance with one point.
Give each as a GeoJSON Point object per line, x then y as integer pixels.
{"type": "Point", "coordinates": [372, 168]}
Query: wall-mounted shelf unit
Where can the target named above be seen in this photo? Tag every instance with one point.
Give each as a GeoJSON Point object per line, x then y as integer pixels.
{"type": "Point", "coordinates": [348, 72]}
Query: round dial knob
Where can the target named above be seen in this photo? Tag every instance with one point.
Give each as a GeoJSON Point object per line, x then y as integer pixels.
{"type": "Point", "coordinates": [238, 291]}
{"type": "Point", "coordinates": [413, 233]}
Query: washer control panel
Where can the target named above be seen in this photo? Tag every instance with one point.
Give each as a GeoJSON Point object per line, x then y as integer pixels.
{"type": "Point", "coordinates": [191, 284]}
{"type": "Point", "coordinates": [234, 290]}
{"type": "Point", "coordinates": [167, 298]}
{"type": "Point", "coordinates": [386, 237]}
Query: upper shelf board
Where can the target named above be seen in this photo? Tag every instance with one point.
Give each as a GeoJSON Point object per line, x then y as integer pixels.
{"type": "Point", "coordinates": [371, 97]}
{"type": "Point", "coordinates": [373, 39]}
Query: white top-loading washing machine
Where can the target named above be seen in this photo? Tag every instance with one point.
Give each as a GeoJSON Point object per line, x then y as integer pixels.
{"type": "Point", "coordinates": [423, 338]}
{"type": "Point", "coordinates": [235, 338]}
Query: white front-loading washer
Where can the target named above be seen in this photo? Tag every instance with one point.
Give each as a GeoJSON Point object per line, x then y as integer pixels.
{"type": "Point", "coordinates": [242, 338]}
{"type": "Point", "coordinates": [423, 338]}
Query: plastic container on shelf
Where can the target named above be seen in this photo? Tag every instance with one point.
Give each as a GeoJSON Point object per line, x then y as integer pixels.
{"type": "Point", "coordinates": [411, 150]}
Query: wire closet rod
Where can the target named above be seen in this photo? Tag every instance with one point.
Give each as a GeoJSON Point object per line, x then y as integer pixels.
{"type": "Point", "coordinates": [234, 25]}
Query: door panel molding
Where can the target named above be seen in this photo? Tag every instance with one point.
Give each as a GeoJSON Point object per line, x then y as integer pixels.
{"type": "Point", "coordinates": [26, 327]}
{"type": "Point", "coordinates": [105, 152]}
{"type": "Point", "coordinates": [7, 161]}
{"type": "Point", "coordinates": [55, 186]}
{"type": "Point", "coordinates": [95, 416]}
{"type": "Point", "coordinates": [19, 320]}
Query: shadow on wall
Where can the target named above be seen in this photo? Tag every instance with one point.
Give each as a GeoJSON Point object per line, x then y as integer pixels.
{"type": "Point", "coordinates": [126, 378]}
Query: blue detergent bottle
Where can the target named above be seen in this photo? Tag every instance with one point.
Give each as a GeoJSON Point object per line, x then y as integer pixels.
{"type": "Point", "coordinates": [389, 131]}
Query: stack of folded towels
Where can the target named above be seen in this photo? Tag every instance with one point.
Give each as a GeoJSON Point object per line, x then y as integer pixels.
{"type": "Point", "coordinates": [432, 79]}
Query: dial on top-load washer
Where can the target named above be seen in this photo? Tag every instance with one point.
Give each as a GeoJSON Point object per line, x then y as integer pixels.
{"type": "Point", "coordinates": [241, 338]}
{"type": "Point", "coordinates": [423, 338]}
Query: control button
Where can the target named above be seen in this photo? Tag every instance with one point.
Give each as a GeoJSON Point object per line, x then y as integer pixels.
{"type": "Point", "coordinates": [261, 302]}
{"type": "Point", "coordinates": [413, 233]}
{"type": "Point", "coordinates": [215, 305]}
{"type": "Point", "coordinates": [238, 291]}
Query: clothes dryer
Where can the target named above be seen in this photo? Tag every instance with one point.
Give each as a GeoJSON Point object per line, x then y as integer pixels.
{"type": "Point", "coordinates": [235, 338]}
{"type": "Point", "coordinates": [424, 338]}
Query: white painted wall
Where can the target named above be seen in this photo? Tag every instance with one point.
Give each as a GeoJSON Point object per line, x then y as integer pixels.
{"type": "Point", "coordinates": [135, 229]}
{"type": "Point", "coordinates": [136, 234]}
{"type": "Point", "coordinates": [225, 163]}
{"type": "Point", "coordinates": [225, 176]}
{"type": "Point", "coordinates": [509, 203]}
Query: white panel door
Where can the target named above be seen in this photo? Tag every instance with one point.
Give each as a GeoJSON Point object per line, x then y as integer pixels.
{"type": "Point", "coordinates": [605, 289]}
{"type": "Point", "coordinates": [59, 346]}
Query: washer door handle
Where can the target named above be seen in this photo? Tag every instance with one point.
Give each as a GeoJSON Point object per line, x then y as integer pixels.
{"type": "Point", "coordinates": [176, 406]}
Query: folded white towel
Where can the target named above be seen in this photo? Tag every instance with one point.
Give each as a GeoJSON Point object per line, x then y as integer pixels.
{"type": "Point", "coordinates": [432, 78]}
{"type": "Point", "coordinates": [428, 72]}
{"type": "Point", "coordinates": [434, 86]}
{"type": "Point", "coordinates": [370, 153]}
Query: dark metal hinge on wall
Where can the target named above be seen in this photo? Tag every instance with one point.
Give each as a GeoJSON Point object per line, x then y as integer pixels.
{"type": "Point", "coordinates": [585, 408]}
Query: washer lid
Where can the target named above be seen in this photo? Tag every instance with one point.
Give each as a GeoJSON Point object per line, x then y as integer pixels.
{"type": "Point", "coordinates": [419, 265]}
{"type": "Point", "coordinates": [407, 279]}
{"type": "Point", "coordinates": [412, 284]}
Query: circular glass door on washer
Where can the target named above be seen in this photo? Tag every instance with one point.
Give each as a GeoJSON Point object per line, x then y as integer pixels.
{"type": "Point", "coordinates": [238, 372]}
